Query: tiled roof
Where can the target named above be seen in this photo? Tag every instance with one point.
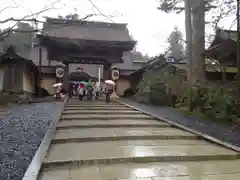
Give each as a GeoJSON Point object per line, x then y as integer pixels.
{"type": "Point", "coordinates": [89, 30]}
{"type": "Point", "coordinates": [20, 55]}
{"type": "Point", "coordinates": [223, 47]}
{"type": "Point", "coordinates": [227, 34]}
{"type": "Point", "coordinates": [131, 61]}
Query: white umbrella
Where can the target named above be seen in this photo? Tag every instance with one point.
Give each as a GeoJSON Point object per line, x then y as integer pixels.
{"type": "Point", "coordinates": [110, 82]}
{"type": "Point", "coordinates": [57, 84]}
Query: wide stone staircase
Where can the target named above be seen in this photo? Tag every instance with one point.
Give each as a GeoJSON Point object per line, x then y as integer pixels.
{"type": "Point", "coordinates": [99, 141]}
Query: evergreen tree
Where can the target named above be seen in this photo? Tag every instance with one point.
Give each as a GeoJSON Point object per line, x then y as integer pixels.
{"type": "Point", "coordinates": [176, 44]}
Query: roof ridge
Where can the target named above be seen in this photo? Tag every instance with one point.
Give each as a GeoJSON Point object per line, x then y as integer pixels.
{"type": "Point", "coordinates": [51, 20]}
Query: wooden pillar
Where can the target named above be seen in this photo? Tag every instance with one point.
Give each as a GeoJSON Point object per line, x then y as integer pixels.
{"type": "Point", "coordinates": [40, 71]}
{"type": "Point", "coordinates": [107, 71]}
{"type": "Point", "coordinates": [65, 79]}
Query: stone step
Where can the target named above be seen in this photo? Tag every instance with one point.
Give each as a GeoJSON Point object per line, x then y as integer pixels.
{"type": "Point", "coordinates": [105, 116]}
{"type": "Point", "coordinates": [112, 126]}
{"type": "Point", "coordinates": [111, 153]}
{"type": "Point", "coordinates": [104, 120]}
{"type": "Point", "coordinates": [96, 108]}
{"type": "Point", "coordinates": [105, 134]}
{"type": "Point", "coordinates": [65, 124]}
{"type": "Point", "coordinates": [204, 170]}
{"type": "Point", "coordinates": [69, 112]}
{"type": "Point", "coordinates": [94, 105]}
{"type": "Point", "coordinates": [93, 101]}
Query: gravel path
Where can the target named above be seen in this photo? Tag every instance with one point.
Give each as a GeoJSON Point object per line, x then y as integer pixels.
{"type": "Point", "coordinates": [21, 132]}
{"type": "Point", "coordinates": [211, 128]}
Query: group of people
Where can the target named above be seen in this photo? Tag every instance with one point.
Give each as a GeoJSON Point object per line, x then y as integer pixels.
{"type": "Point", "coordinates": [89, 90]}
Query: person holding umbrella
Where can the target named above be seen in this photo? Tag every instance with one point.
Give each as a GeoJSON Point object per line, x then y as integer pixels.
{"type": "Point", "coordinates": [109, 89]}
{"type": "Point", "coordinates": [81, 90]}
{"type": "Point", "coordinates": [58, 87]}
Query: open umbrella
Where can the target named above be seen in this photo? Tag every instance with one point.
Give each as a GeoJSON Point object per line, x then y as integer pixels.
{"type": "Point", "coordinates": [79, 76]}
{"type": "Point", "coordinates": [110, 82]}
{"type": "Point", "coordinates": [83, 82]}
{"type": "Point", "coordinates": [57, 85]}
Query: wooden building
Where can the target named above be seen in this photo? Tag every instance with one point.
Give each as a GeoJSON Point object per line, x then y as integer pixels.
{"type": "Point", "coordinates": [92, 45]}
{"type": "Point", "coordinates": [155, 63]}
{"type": "Point", "coordinates": [17, 74]}
{"type": "Point", "coordinates": [132, 61]}
{"type": "Point", "coordinates": [223, 49]}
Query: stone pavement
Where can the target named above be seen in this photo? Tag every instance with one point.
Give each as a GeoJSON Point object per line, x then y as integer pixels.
{"type": "Point", "coordinates": [99, 141]}
{"type": "Point", "coordinates": [219, 131]}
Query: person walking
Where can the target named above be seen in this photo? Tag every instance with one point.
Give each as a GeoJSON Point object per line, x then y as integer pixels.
{"type": "Point", "coordinates": [81, 91]}
{"type": "Point", "coordinates": [108, 91]}
{"type": "Point", "coordinates": [58, 91]}
{"type": "Point", "coordinates": [70, 89]}
{"type": "Point", "coordinates": [97, 89]}
{"type": "Point", "coordinates": [89, 90]}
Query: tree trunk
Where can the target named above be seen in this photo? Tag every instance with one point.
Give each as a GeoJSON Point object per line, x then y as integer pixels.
{"type": "Point", "coordinates": [238, 46]}
{"type": "Point", "coordinates": [188, 26]}
{"type": "Point", "coordinates": [198, 25]}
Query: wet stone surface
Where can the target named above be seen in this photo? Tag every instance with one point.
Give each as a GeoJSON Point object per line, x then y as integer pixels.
{"type": "Point", "coordinates": [219, 131]}
{"type": "Point", "coordinates": [21, 132]}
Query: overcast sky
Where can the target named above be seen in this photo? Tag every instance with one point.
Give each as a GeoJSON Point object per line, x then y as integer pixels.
{"type": "Point", "coordinates": [146, 24]}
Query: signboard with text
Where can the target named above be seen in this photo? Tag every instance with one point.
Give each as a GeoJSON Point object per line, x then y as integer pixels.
{"type": "Point", "coordinates": [59, 72]}
{"type": "Point", "coordinates": [115, 74]}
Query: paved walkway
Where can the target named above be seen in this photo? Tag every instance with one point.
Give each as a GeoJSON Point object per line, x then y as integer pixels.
{"type": "Point", "coordinates": [222, 132]}
{"type": "Point", "coordinates": [99, 141]}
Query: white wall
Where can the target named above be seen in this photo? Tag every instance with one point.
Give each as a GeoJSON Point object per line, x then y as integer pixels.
{"type": "Point", "coordinates": [28, 82]}
{"type": "Point", "coordinates": [34, 55]}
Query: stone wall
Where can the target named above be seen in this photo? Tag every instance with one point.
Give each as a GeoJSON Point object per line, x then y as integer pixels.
{"type": "Point", "coordinates": [29, 82]}
{"type": "Point", "coordinates": [121, 85]}
{"type": "Point", "coordinates": [47, 83]}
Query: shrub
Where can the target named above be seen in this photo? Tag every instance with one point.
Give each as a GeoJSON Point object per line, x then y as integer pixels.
{"type": "Point", "coordinates": [8, 97]}
{"type": "Point", "coordinates": [153, 88]}
{"type": "Point", "coordinates": [221, 104]}
{"type": "Point", "coordinates": [215, 101]}
{"type": "Point", "coordinates": [128, 92]}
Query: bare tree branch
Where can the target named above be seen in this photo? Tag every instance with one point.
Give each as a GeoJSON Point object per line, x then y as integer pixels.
{"type": "Point", "coordinates": [46, 8]}
{"type": "Point", "coordinates": [100, 11]}
{"type": "Point", "coordinates": [32, 17]}
{"type": "Point", "coordinates": [5, 8]}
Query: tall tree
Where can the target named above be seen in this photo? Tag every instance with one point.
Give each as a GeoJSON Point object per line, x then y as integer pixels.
{"type": "Point", "coordinates": [195, 32]}
{"type": "Point", "coordinates": [195, 29]}
{"type": "Point", "coordinates": [198, 40]}
{"type": "Point", "coordinates": [198, 9]}
{"type": "Point", "coordinates": [176, 44]}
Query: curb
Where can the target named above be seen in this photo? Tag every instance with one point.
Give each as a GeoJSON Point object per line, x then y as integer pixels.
{"type": "Point", "coordinates": [112, 126]}
{"type": "Point", "coordinates": [36, 163]}
{"type": "Point", "coordinates": [198, 133]}
{"type": "Point", "coordinates": [146, 159]}
{"type": "Point", "coordinates": [120, 138]}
